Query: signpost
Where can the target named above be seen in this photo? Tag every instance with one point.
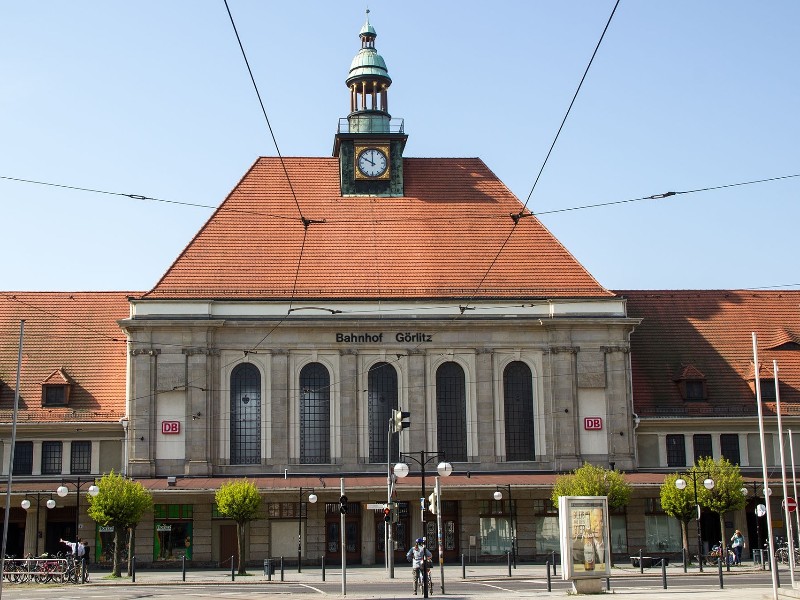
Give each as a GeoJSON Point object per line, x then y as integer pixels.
{"type": "Point", "coordinates": [790, 504]}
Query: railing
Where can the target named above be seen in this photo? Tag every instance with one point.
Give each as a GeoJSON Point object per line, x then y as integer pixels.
{"type": "Point", "coordinates": [363, 121]}
{"type": "Point", "coordinates": [40, 570]}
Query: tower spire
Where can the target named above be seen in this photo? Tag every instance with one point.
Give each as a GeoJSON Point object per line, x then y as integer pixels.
{"type": "Point", "coordinates": [368, 81]}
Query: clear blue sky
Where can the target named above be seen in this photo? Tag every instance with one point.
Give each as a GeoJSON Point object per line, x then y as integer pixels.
{"type": "Point", "coordinates": [153, 98]}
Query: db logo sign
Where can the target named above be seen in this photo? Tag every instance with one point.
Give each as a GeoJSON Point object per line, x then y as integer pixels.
{"type": "Point", "coordinates": [592, 423]}
{"type": "Point", "coordinates": [168, 427]}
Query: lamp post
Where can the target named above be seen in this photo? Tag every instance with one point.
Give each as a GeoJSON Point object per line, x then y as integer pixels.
{"type": "Point", "coordinates": [708, 483]}
{"type": "Point", "coordinates": [62, 491]}
{"type": "Point", "coordinates": [312, 498]}
{"type": "Point", "coordinates": [401, 470]}
{"type": "Point", "coordinates": [26, 504]}
{"type": "Point", "coordinates": [444, 469]}
{"type": "Point", "coordinates": [760, 511]}
{"type": "Point", "coordinates": [498, 495]}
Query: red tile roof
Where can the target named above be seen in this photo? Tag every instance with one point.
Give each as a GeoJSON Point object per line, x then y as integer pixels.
{"type": "Point", "coordinates": [71, 331]}
{"type": "Point", "coordinates": [439, 240]}
{"type": "Point", "coordinates": [711, 330]}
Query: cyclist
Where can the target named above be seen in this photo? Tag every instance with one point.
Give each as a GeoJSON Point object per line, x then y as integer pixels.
{"type": "Point", "coordinates": [418, 557]}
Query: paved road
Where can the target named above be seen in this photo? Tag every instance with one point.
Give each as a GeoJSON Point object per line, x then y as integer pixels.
{"type": "Point", "coordinates": [487, 582]}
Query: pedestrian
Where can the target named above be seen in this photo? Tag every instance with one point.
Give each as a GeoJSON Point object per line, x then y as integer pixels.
{"type": "Point", "coordinates": [737, 543]}
{"type": "Point", "coordinates": [417, 556]}
{"type": "Point", "coordinates": [75, 548]}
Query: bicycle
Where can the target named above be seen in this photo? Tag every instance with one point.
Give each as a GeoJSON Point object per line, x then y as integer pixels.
{"type": "Point", "coordinates": [427, 576]}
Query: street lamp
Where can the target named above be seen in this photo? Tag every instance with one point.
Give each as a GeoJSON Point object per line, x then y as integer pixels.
{"type": "Point", "coordinates": [312, 498]}
{"type": "Point", "coordinates": [708, 483]}
{"type": "Point", "coordinates": [443, 468]}
{"type": "Point", "coordinates": [498, 495]}
{"type": "Point", "coordinates": [62, 491]}
{"type": "Point", "coordinates": [760, 512]}
{"type": "Point", "coordinates": [26, 504]}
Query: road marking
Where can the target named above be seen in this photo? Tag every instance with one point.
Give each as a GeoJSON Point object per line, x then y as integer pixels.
{"type": "Point", "coordinates": [311, 587]}
{"type": "Point", "coordinates": [497, 587]}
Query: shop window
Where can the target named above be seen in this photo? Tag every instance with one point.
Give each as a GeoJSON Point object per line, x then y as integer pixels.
{"type": "Point", "coordinates": [382, 399]}
{"type": "Point", "coordinates": [729, 447]}
{"type": "Point", "coordinates": [518, 409]}
{"type": "Point", "coordinates": [245, 415]}
{"type": "Point", "coordinates": [51, 458]}
{"type": "Point", "coordinates": [546, 532]}
{"type": "Point", "coordinates": [496, 526]}
{"type": "Point", "coordinates": [702, 446]}
{"type": "Point", "coordinates": [451, 412]}
{"type": "Point", "coordinates": [23, 458]}
{"type": "Point", "coordinates": [172, 535]}
{"type": "Point", "coordinates": [619, 533]}
{"type": "Point", "coordinates": [81, 458]}
{"type": "Point", "coordinates": [315, 414]}
{"type": "Point", "coordinates": [663, 533]}
{"type": "Point", "coordinates": [676, 450]}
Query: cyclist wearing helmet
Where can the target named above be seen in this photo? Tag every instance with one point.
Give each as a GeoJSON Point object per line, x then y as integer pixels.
{"type": "Point", "coordinates": [417, 556]}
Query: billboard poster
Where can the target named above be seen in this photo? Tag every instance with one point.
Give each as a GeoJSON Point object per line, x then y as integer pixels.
{"type": "Point", "coordinates": [585, 547]}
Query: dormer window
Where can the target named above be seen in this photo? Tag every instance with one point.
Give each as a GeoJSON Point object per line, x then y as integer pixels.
{"type": "Point", "coordinates": [56, 389]}
{"type": "Point", "coordinates": [692, 384]}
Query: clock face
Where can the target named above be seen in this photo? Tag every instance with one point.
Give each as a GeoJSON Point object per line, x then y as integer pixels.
{"type": "Point", "coordinates": [372, 162]}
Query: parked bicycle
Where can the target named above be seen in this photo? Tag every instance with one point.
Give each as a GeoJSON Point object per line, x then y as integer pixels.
{"type": "Point", "coordinates": [712, 558]}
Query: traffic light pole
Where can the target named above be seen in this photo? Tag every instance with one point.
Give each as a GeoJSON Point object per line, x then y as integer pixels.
{"type": "Point", "coordinates": [388, 526]}
{"type": "Point", "coordinates": [342, 536]}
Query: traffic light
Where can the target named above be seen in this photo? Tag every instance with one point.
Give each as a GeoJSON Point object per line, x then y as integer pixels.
{"type": "Point", "coordinates": [387, 514]}
{"type": "Point", "coordinates": [398, 420]}
{"type": "Point", "coordinates": [433, 504]}
{"type": "Point", "coordinates": [343, 504]}
{"type": "Point", "coordinates": [395, 512]}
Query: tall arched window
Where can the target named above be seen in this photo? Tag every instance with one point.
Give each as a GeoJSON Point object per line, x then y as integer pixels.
{"type": "Point", "coordinates": [451, 412]}
{"type": "Point", "coordinates": [315, 414]}
{"type": "Point", "coordinates": [518, 402]}
{"type": "Point", "coordinates": [382, 397]}
{"type": "Point", "coordinates": [245, 415]}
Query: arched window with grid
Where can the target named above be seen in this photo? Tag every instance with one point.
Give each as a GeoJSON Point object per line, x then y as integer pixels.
{"type": "Point", "coordinates": [518, 411]}
{"type": "Point", "coordinates": [451, 412]}
{"type": "Point", "coordinates": [382, 398]}
{"type": "Point", "coordinates": [315, 414]}
{"type": "Point", "coordinates": [245, 415]}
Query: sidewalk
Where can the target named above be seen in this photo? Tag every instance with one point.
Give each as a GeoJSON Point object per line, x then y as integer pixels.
{"type": "Point", "coordinates": [357, 573]}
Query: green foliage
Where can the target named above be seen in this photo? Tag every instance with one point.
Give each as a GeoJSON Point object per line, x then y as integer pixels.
{"type": "Point", "coordinates": [590, 480]}
{"type": "Point", "coordinates": [120, 502]}
{"type": "Point", "coordinates": [678, 503]}
{"type": "Point", "coordinates": [728, 482]}
{"type": "Point", "coordinates": [238, 500]}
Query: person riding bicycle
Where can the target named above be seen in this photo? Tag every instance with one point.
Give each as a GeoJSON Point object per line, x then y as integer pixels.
{"type": "Point", "coordinates": [418, 556]}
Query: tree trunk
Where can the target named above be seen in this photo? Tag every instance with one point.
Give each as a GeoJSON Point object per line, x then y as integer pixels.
{"type": "Point", "coordinates": [115, 566]}
{"type": "Point", "coordinates": [724, 540]}
{"type": "Point", "coordinates": [240, 544]}
{"type": "Point", "coordinates": [685, 536]}
{"type": "Point", "coordinates": [131, 546]}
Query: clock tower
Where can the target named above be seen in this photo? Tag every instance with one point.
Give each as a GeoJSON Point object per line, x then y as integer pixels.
{"type": "Point", "coordinates": [369, 143]}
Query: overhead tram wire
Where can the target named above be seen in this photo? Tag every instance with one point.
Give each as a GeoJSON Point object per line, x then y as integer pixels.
{"type": "Point", "coordinates": [373, 220]}
{"type": "Point", "coordinates": [569, 109]}
{"type": "Point", "coordinates": [305, 221]}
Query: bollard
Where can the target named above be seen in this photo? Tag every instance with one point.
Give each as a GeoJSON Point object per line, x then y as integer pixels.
{"type": "Point", "coordinates": [233, 574]}
{"type": "Point", "coordinates": [685, 560]}
{"type": "Point", "coordinates": [608, 584]}
{"type": "Point", "coordinates": [549, 586]}
{"type": "Point", "coordinates": [553, 555]}
{"type": "Point", "coordinates": [323, 567]}
{"type": "Point", "coordinates": [641, 562]}
{"type": "Point", "coordinates": [464, 567]}
{"type": "Point", "coordinates": [774, 565]}
{"type": "Point", "coordinates": [719, 570]}
{"type": "Point", "coordinates": [268, 562]}
{"type": "Point", "coordinates": [133, 569]}
{"type": "Point", "coordinates": [664, 573]}
{"type": "Point", "coordinates": [183, 567]}
{"type": "Point", "coordinates": [281, 568]}
{"type": "Point", "coordinates": [509, 563]}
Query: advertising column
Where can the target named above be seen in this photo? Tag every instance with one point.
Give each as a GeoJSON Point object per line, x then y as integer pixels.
{"type": "Point", "coordinates": [585, 549]}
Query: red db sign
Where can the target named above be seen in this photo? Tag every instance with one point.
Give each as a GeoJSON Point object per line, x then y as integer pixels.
{"type": "Point", "coordinates": [592, 423]}
{"type": "Point", "coordinates": [168, 427]}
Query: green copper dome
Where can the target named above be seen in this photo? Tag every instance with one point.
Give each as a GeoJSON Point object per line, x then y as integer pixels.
{"type": "Point", "coordinates": [368, 64]}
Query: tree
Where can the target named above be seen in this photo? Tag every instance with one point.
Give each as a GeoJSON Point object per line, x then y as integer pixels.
{"type": "Point", "coordinates": [726, 495]}
{"type": "Point", "coordinates": [679, 504]}
{"type": "Point", "coordinates": [239, 501]}
{"type": "Point", "coordinates": [590, 480]}
{"type": "Point", "coordinates": [120, 503]}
